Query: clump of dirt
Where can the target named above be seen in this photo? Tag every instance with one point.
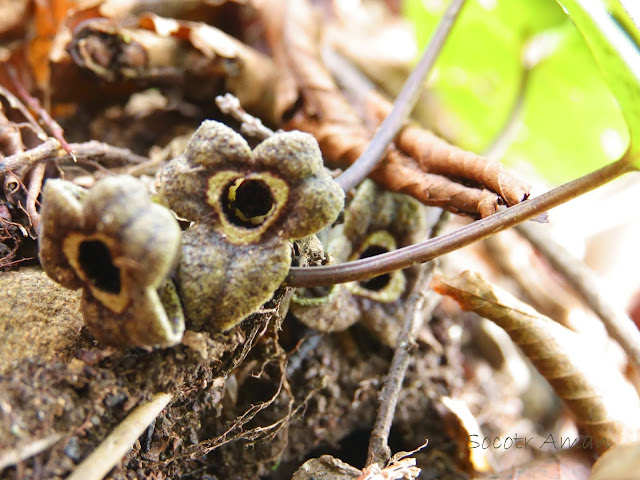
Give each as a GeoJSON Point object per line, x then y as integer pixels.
{"type": "Point", "coordinates": [256, 401]}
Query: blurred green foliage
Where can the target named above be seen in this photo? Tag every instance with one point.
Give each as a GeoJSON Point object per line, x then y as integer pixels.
{"type": "Point", "coordinates": [570, 122]}
{"type": "Point", "coordinates": [614, 41]}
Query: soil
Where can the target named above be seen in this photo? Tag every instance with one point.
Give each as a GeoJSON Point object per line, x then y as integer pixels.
{"type": "Point", "coordinates": [256, 401]}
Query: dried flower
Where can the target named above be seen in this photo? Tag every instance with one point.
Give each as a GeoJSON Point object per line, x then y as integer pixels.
{"type": "Point", "coordinates": [119, 247]}
{"type": "Point", "coordinates": [245, 207]}
{"type": "Point", "coordinates": [375, 222]}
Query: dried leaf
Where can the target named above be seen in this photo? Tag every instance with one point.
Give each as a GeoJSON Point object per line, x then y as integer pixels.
{"type": "Point", "coordinates": [400, 174]}
{"type": "Point", "coordinates": [565, 465]}
{"type": "Point", "coordinates": [202, 59]}
{"type": "Point", "coordinates": [343, 135]}
{"type": "Point", "coordinates": [343, 140]}
{"type": "Point", "coordinates": [286, 87]}
{"type": "Point", "coordinates": [435, 155]}
{"type": "Point", "coordinates": [12, 15]}
{"type": "Point", "coordinates": [460, 425]}
{"type": "Point", "coordinates": [605, 405]}
{"type": "Point", "coordinates": [326, 468]}
{"type": "Point", "coordinates": [49, 14]}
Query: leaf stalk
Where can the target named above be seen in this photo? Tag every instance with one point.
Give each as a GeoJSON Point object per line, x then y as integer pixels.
{"type": "Point", "coordinates": [428, 250]}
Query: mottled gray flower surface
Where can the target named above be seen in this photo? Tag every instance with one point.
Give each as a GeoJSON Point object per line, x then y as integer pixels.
{"type": "Point", "coordinates": [375, 222]}
{"type": "Point", "coordinates": [245, 207]}
{"type": "Point", "coordinates": [119, 247]}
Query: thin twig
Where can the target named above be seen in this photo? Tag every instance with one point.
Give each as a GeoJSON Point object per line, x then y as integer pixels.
{"type": "Point", "coordinates": [584, 281]}
{"type": "Point", "coordinates": [23, 452]}
{"type": "Point", "coordinates": [403, 105]}
{"type": "Point", "coordinates": [14, 102]}
{"type": "Point", "coordinates": [35, 187]}
{"type": "Point", "coordinates": [379, 451]}
{"type": "Point", "coordinates": [355, 85]}
{"type": "Point", "coordinates": [51, 150]}
{"type": "Point", "coordinates": [514, 259]}
{"type": "Point", "coordinates": [422, 252]}
{"type": "Point", "coordinates": [45, 151]}
{"type": "Point", "coordinates": [34, 105]}
{"type": "Point", "coordinates": [535, 51]}
{"type": "Point", "coordinates": [120, 440]}
{"type": "Point", "coordinates": [507, 133]}
{"type": "Point", "coordinates": [250, 125]}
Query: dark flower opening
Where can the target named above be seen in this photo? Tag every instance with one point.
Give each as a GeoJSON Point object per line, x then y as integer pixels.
{"type": "Point", "coordinates": [248, 202]}
{"type": "Point", "coordinates": [381, 281]}
{"type": "Point", "coordinates": [95, 259]}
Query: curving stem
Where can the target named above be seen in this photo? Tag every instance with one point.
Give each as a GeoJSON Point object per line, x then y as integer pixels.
{"type": "Point", "coordinates": [403, 105]}
{"type": "Point", "coordinates": [430, 249]}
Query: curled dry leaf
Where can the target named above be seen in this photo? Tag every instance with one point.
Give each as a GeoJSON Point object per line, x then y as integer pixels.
{"type": "Point", "coordinates": [605, 405]}
{"type": "Point", "coordinates": [399, 173]}
{"type": "Point", "coordinates": [200, 58]}
{"type": "Point", "coordinates": [435, 155]}
{"type": "Point", "coordinates": [293, 33]}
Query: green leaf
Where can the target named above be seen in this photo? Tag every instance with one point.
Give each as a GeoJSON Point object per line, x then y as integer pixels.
{"type": "Point", "coordinates": [569, 122]}
{"type": "Point", "coordinates": [613, 40]}
{"type": "Point", "coordinates": [478, 71]}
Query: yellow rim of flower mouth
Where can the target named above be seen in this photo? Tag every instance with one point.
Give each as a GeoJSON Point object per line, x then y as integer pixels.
{"type": "Point", "coordinates": [396, 283]}
{"type": "Point", "coordinates": [232, 197]}
{"type": "Point", "coordinates": [72, 248]}
{"type": "Point", "coordinates": [224, 189]}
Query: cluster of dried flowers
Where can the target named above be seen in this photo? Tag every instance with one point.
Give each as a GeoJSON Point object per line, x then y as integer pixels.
{"type": "Point", "coordinates": [245, 206]}
{"type": "Point", "coordinates": [242, 205]}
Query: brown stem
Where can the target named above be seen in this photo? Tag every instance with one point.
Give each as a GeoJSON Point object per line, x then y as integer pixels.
{"type": "Point", "coordinates": [430, 249]}
{"type": "Point", "coordinates": [584, 281]}
{"type": "Point", "coordinates": [35, 186]}
{"type": "Point", "coordinates": [250, 125]}
{"type": "Point", "coordinates": [50, 150]}
{"type": "Point", "coordinates": [34, 105]}
{"type": "Point", "coordinates": [403, 105]}
{"type": "Point", "coordinates": [379, 451]}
